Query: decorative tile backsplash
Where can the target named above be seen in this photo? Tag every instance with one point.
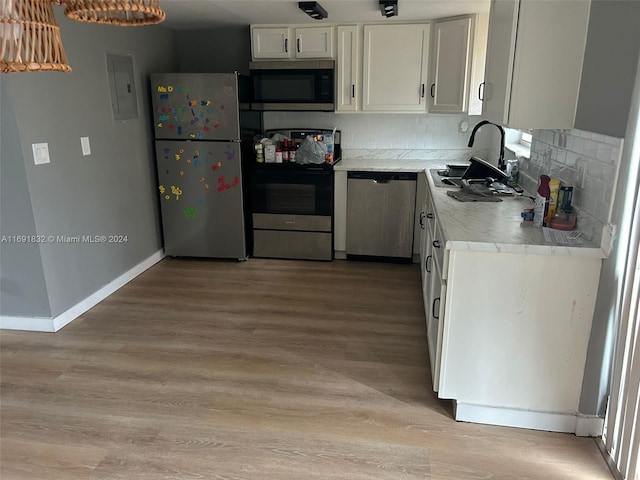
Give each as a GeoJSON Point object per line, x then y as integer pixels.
{"type": "Point", "coordinates": [387, 131]}
{"type": "Point", "coordinates": [587, 161]}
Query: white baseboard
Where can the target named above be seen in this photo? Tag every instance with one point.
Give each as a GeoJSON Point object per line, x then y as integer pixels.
{"type": "Point", "coordinates": [548, 421]}
{"type": "Point", "coordinates": [589, 426]}
{"type": "Point", "coordinates": [43, 324]}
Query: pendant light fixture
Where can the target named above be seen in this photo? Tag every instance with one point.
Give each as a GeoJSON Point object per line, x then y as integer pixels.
{"type": "Point", "coordinates": [30, 37]}
{"type": "Point", "coordinates": [114, 12]}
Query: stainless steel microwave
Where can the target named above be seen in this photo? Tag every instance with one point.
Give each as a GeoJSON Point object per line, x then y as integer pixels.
{"type": "Point", "coordinates": [304, 85]}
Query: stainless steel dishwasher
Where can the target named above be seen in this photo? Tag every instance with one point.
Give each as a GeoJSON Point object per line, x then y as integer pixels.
{"type": "Point", "coordinates": [380, 215]}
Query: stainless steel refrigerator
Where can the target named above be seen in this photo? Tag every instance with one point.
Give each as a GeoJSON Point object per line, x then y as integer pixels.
{"type": "Point", "coordinates": [197, 139]}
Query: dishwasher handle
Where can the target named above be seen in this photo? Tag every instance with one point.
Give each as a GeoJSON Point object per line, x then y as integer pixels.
{"type": "Point", "coordinates": [382, 177]}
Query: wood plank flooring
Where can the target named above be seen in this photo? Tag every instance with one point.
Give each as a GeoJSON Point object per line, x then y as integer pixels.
{"type": "Point", "coordinates": [265, 369]}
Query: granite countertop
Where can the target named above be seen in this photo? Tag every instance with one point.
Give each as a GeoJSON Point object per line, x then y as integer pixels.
{"type": "Point", "coordinates": [477, 226]}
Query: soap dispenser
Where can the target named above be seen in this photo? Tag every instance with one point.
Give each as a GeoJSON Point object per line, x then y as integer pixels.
{"type": "Point", "coordinates": [541, 203]}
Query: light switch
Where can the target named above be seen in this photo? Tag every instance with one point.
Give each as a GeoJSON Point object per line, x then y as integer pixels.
{"type": "Point", "coordinates": [40, 153]}
{"type": "Point", "coordinates": [86, 146]}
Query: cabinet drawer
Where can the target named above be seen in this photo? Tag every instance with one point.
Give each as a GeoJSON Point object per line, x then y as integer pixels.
{"type": "Point", "coordinates": [292, 245]}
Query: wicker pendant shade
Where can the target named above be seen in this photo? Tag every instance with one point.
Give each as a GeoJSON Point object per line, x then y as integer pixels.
{"type": "Point", "coordinates": [114, 12]}
{"type": "Point", "coordinates": [30, 38]}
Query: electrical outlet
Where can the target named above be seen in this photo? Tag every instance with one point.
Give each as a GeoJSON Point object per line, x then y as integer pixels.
{"type": "Point", "coordinates": [86, 146]}
{"type": "Point", "coordinates": [582, 172]}
{"type": "Point", "coordinates": [40, 153]}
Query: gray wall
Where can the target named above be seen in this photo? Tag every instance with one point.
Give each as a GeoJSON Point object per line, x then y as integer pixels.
{"type": "Point", "coordinates": [110, 192]}
{"type": "Point", "coordinates": [595, 388]}
{"type": "Point", "coordinates": [22, 287]}
{"type": "Point", "coordinates": [608, 72]}
{"type": "Point", "coordinates": [219, 50]}
{"type": "Point", "coordinates": [606, 106]}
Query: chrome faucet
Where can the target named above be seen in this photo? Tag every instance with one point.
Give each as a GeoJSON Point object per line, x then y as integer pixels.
{"type": "Point", "coordinates": [501, 163]}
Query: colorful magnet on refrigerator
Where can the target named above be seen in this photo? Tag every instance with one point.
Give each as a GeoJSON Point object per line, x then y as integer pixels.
{"type": "Point", "coordinates": [191, 213]}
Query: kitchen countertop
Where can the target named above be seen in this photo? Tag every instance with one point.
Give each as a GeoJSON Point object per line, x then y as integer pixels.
{"type": "Point", "coordinates": [477, 226]}
{"type": "Point", "coordinates": [402, 165]}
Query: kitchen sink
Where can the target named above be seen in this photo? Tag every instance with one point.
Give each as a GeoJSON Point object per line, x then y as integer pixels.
{"type": "Point", "coordinates": [458, 182]}
{"type": "Point", "coordinates": [460, 175]}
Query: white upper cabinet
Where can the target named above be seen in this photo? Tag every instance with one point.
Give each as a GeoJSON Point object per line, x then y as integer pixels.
{"type": "Point", "coordinates": [478, 61]}
{"type": "Point", "coordinates": [534, 62]}
{"type": "Point", "coordinates": [314, 42]}
{"type": "Point", "coordinates": [292, 42]}
{"type": "Point", "coordinates": [395, 67]}
{"type": "Point", "coordinates": [348, 72]}
{"type": "Point", "coordinates": [270, 42]}
{"type": "Point", "coordinates": [450, 65]}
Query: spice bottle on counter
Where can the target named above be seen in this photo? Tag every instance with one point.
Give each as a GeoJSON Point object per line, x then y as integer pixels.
{"type": "Point", "coordinates": [278, 155]}
{"type": "Point", "coordinates": [285, 151]}
{"type": "Point", "coordinates": [259, 153]}
{"type": "Point", "coordinates": [292, 151]}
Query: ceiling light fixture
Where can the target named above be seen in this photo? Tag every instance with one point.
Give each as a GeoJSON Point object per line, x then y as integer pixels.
{"type": "Point", "coordinates": [30, 38]}
{"type": "Point", "coordinates": [313, 9]}
{"type": "Point", "coordinates": [389, 8]}
{"type": "Point", "coordinates": [114, 12]}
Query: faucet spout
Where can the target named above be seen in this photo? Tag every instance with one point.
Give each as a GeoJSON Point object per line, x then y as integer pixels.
{"type": "Point", "coordinates": [501, 163]}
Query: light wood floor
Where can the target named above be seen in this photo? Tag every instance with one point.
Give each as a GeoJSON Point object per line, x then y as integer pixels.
{"type": "Point", "coordinates": [265, 369]}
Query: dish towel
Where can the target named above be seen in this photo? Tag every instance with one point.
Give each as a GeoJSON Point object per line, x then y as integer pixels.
{"type": "Point", "coordinates": [474, 193]}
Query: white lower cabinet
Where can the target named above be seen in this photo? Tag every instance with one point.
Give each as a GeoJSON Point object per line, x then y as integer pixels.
{"type": "Point", "coordinates": [433, 288]}
{"type": "Point", "coordinates": [435, 319]}
{"type": "Point", "coordinates": [507, 332]}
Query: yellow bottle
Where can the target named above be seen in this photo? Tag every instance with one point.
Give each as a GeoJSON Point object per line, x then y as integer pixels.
{"type": "Point", "coordinates": [554, 188]}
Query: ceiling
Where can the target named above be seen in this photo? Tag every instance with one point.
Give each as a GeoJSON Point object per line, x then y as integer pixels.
{"type": "Point", "coordinates": [196, 14]}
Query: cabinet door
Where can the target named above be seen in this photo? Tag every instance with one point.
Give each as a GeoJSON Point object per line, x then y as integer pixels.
{"type": "Point", "coordinates": [503, 23]}
{"type": "Point", "coordinates": [476, 83]}
{"type": "Point", "coordinates": [348, 69]}
{"type": "Point", "coordinates": [270, 42]}
{"type": "Point", "coordinates": [435, 322]}
{"type": "Point", "coordinates": [314, 42]}
{"type": "Point", "coordinates": [553, 34]}
{"type": "Point", "coordinates": [395, 67]}
{"type": "Point", "coordinates": [340, 213]}
{"type": "Point", "coordinates": [420, 221]}
{"type": "Point", "coordinates": [450, 65]}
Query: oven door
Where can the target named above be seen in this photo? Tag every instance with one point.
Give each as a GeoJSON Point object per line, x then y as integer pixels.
{"type": "Point", "coordinates": [308, 192]}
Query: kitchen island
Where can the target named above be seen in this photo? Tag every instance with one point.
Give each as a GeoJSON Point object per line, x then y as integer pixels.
{"type": "Point", "coordinates": [508, 315]}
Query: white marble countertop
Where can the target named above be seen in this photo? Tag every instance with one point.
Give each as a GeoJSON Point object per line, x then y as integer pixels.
{"type": "Point", "coordinates": [405, 165]}
{"type": "Point", "coordinates": [403, 161]}
{"type": "Point", "coordinates": [477, 226]}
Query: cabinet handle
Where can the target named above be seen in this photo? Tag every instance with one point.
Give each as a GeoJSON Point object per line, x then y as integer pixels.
{"type": "Point", "coordinates": [286, 45]}
{"type": "Point", "coordinates": [433, 308]}
{"type": "Point", "coordinates": [427, 265]}
{"type": "Point", "coordinates": [430, 216]}
{"type": "Point", "coordinates": [422, 215]}
{"type": "Point", "coordinates": [353, 91]}
{"type": "Point", "coordinates": [298, 44]}
{"type": "Point", "coordinates": [422, 90]}
{"type": "Point", "coordinates": [481, 92]}
{"type": "Point", "coordinates": [433, 85]}
{"type": "Point", "coordinates": [436, 244]}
